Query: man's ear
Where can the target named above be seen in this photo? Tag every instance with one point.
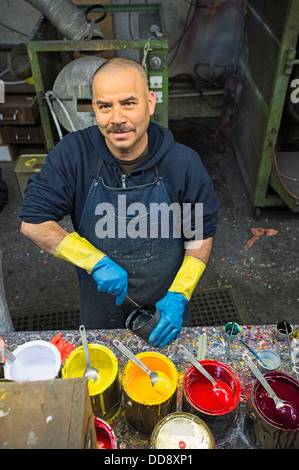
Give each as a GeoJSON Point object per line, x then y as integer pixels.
{"type": "Point", "coordinates": [152, 99]}
{"type": "Point", "coordinates": [93, 104]}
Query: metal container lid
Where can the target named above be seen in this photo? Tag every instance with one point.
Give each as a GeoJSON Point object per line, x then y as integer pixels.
{"type": "Point", "coordinates": [182, 431]}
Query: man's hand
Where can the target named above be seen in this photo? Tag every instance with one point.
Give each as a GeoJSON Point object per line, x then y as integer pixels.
{"type": "Point", "coordinates": [171, 309]}
{"type": "Point", "coordinates": [111, 278]}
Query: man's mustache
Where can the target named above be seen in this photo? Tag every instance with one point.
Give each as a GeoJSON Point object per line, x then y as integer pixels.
{"type": "Point", "coordinates": [120, 128]}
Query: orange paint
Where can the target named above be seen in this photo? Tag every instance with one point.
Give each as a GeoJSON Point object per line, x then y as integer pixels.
{"type": "Point", "coordinates": [137, 383]}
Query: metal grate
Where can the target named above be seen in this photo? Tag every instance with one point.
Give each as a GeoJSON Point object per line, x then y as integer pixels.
{"type": "Point", "coordinates": [209, 307]}
{"type": "Point", "coordinates": [214, 307]}
{"type": "Point", "coordinates": [66, 320]}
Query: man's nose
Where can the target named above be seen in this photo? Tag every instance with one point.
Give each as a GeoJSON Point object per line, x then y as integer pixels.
{"type": "Point", "coordinates": [118, 116]}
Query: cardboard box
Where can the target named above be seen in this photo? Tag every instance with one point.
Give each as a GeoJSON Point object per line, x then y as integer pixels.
{"type": "Point", "coordinates": [28, 165]}
{"type": "Point", "coordinates": [48, 414]}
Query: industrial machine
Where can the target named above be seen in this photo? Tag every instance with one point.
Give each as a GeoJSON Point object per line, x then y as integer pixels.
{"type": "Point", "coordinates": [62, 67]}
{"type": "Point", "coordinates": [265, 129]}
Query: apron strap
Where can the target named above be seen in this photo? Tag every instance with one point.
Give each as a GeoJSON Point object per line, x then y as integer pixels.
{"type": "Point", "coordinates": [97, 175]}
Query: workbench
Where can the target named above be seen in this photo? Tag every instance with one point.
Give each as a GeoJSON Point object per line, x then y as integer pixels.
{"type": "Point", "coordinates": [257, 337]}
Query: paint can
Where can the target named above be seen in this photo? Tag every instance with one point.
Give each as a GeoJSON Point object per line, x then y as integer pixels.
{"type": "Point", "coordinates": [105, 394]}
{"type": "Point", "coordinates": [40, 359]}
{"type": "Point", "coordinates": [271, 361]}
{"type": "Point", "coordinates": [142, 323]}
{"type": "Point", "coordinates": [182, 431]}
{"type": "Point", "coordinates": [231, 331]}
{"type": "Point", "coordinates": [144, 406]}
{"type": "Point", "coordinates": [105, 436]}
{"type": "Point", "coordinates": [261, 421]}
{"type": "Point", "coordinates": [281, 332]}
{"type": "Point", "coordinates": [198, 398]}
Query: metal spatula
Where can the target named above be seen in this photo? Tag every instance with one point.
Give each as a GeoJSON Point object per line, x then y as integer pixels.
{"type": "Point", "coordinates": [91, 373]}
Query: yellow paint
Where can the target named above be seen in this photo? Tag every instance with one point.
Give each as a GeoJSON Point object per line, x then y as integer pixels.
{"type": "Point", "coordinates": [102, 404]}
{"type": "Point", "coordinates": [137, 383]}
{"type": "Point", "coordinates": [101, 358]}
{"type": "Point", "coordinates": [163, 384]}
{"type": "Point", "coordinates": [29, 162]}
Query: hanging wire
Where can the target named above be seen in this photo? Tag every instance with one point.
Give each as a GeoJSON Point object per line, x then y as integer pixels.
{"type": "Point", "coordinates": [64, 110]}
{"type": "Point", "coordinates": [50, 95]}
{"type": "Point", "coordinates": [197, 4]}
{"type": "Point", "coordinates": [47, 96]}
{"type": "Point", "coordinates": [18, 82]}
{"type": "Point", "coordinates": [215, 134]}
{"type": "Point", "coordinates": [187, 26]}
{"type": "Point", "coordinates": [146, 50]}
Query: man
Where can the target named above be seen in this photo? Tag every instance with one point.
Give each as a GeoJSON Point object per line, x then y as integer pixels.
{"type": "Point", "coordinates": [89, 173]}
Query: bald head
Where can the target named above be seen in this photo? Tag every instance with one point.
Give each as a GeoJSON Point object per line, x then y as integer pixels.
{"type": "Point", "coordinates": [118, 64]}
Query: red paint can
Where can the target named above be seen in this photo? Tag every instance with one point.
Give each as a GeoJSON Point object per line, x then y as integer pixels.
{"type": "Point", "coordinates": [198, 398]}
{"type": "Point", "coordinates": [263, 426]}
{"type": "Point", "coordinates": [105, 436]}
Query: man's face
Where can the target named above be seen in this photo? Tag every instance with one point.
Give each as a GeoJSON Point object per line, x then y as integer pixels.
{"type": "Point", "coordinates": [123, 106]}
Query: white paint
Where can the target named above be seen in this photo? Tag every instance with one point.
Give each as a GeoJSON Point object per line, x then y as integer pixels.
{"type": "Point", "coordinates": [2, 413]}
{"type": "Point", "coordinates": [41, 360]}
{"type": "Point", "coordinates": [32, 438]}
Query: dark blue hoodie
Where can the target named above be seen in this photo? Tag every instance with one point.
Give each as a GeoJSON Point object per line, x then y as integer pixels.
{"type": "Point", "coordinates": [63, 184]}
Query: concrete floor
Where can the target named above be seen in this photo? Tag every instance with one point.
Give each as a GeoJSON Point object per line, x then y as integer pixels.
{"type": "Point", "coordinates": [265, 276]}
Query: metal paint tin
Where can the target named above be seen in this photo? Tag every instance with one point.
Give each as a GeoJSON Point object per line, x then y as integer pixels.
{"type": "Point", "coordinates": [141, 323]}
{"type": "Point", "coordinates": [40, 359]}
{"type": "Point", "coordinates": [219, 419]}
{"type": "Point", "coordinates": [105, 395]}
{"type": "Point", "coordinates": [144, 406]}
{"type": "Point", "coordinates": [105, 436]}
{"type": "Point", "coordinates": [271, 361]}
{"type": "Point", "coordinates": [261, 426]}
{"type": "Point", "coordinates": [229, 334]}
{"type": "Point", "coordinates": [182, 431]}
{"type": "Point", "coordinates": [282, 329]}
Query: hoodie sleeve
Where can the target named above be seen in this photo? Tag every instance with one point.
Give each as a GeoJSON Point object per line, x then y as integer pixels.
{"type": "Point", "coordinates": [189, 183]}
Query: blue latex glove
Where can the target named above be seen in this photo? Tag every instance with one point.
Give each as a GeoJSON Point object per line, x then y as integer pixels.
{"type": "Point", "coordinates": [171, 308]}
{"type": "Point", "coordinates": [111, 278]}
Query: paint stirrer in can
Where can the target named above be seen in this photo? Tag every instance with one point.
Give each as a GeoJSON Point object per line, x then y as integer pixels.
{"type": "Point", "coordinates": [253, 352]}
{"type": "Point", "coordinates": [285, 411]}
{"type": "Point", "coordinates": [222, 396]}
{"type": "Point", "coordinates": [229, 341]}
{"type": "Point", "coordinates": [91, 373]}
{"type": "Point", "coordinates": [135, 304]}
{"type": "Point", "coordinates": [159, 380]}
{"type": "Point", "coordinates": [14, 360]}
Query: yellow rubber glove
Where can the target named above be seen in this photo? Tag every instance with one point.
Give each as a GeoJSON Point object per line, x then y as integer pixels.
{"type": "Point", "coordinates": [188, 276]}
{"type": "Point", "coordinates": [78, 251]}
{"type": "Point", "coordinates": [108, 275]}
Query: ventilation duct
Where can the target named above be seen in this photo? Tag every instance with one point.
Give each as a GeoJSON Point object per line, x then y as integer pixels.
{"type": "Point", "coordinates": [68, 19]}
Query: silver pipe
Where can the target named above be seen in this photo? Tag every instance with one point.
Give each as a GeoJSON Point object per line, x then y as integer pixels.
{"type": "Point", "coordinates": [67, 18]}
